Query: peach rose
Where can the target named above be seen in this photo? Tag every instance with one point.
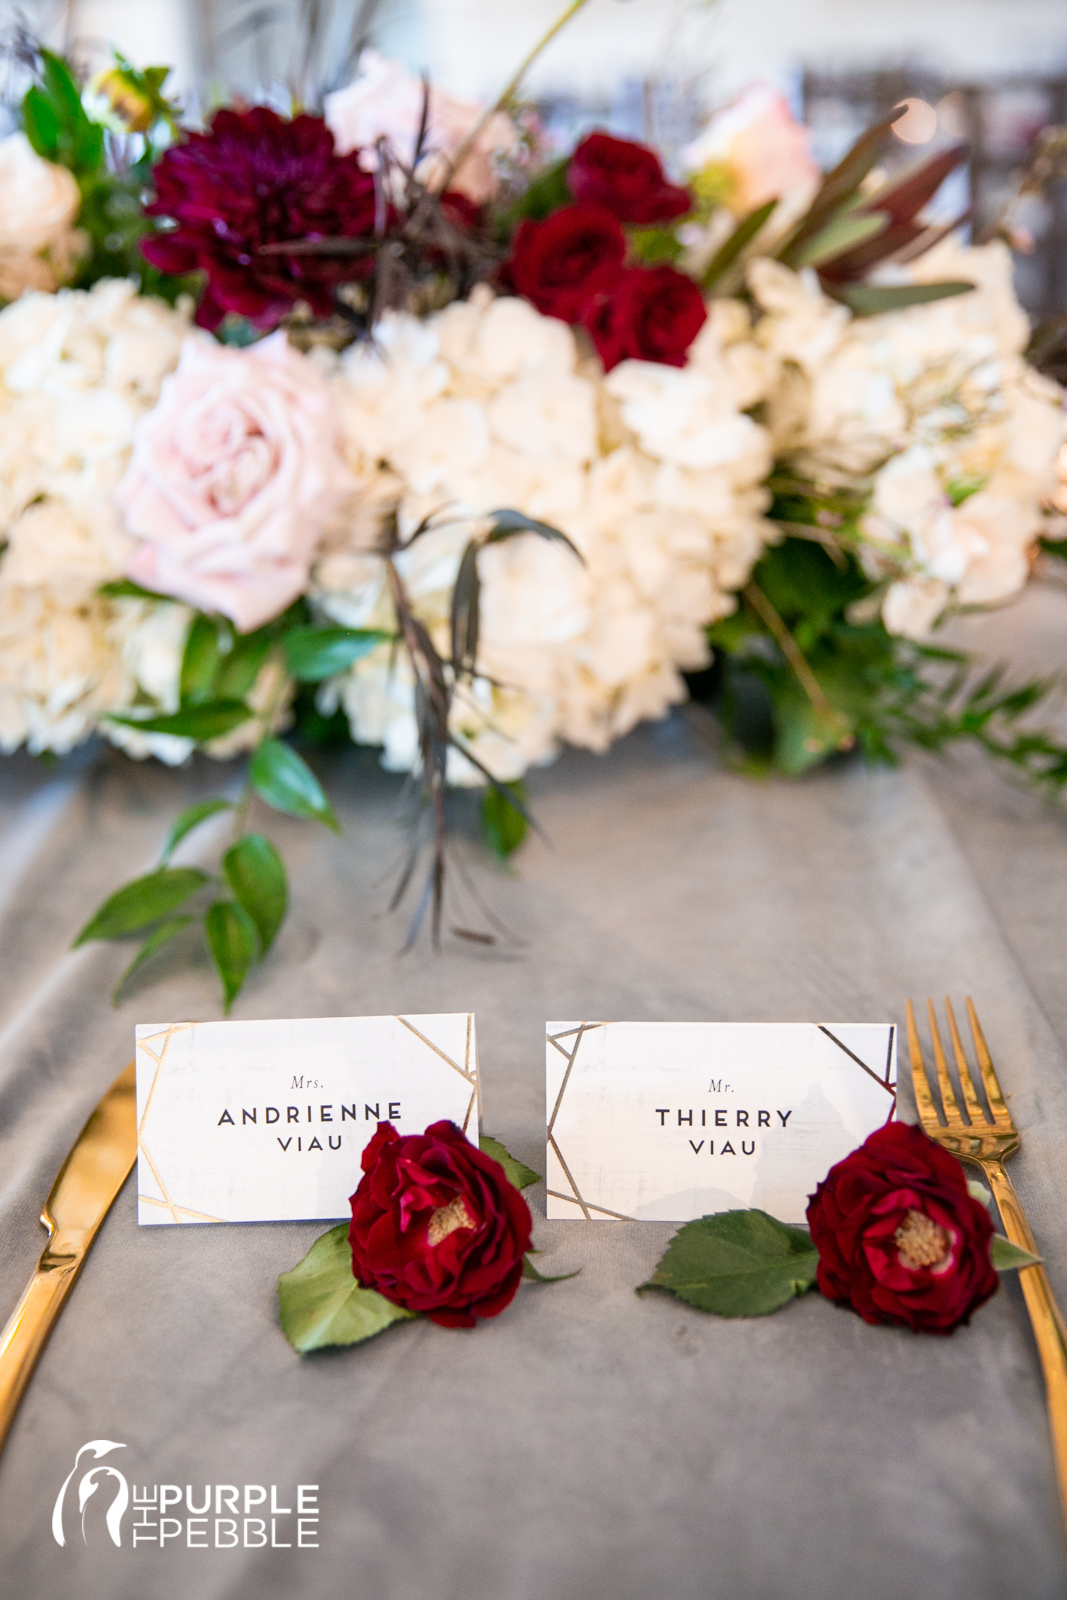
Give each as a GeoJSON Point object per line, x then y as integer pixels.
{"type": "Point", "coordinates": [234, 477]}
{"type": "Point", "coordinates": [385, 102]}
{"type": "Point", "coordinates": [765, 152]}
{"type": "Point", "coordinates": [39, 201]}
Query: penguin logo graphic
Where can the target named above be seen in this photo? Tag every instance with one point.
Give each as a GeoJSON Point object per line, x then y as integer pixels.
{"type": "Point", "coordinates": [88, 1486]}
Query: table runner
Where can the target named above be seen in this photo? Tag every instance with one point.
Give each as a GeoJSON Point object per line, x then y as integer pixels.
{"type": "Point", "coordinates": [589, 1443]}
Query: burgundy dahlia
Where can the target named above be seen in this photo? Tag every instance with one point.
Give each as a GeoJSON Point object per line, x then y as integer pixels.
{"type": "Point", "coordinates": [259, 179]}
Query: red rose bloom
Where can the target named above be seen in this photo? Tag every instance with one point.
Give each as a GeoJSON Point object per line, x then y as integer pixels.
{"type": "Point", "coordinates": [560, 263]}
{"type": "Point", "coordinates": [259, 179]}
{"type": "Point", "coordinates": [626, 179]}
{"type": "Point", "coordinates": [899, 1238]}
{"type": "Point", "coordinates": [649, 314]}
{"type": "Point", "coordinates": [437, 1227]}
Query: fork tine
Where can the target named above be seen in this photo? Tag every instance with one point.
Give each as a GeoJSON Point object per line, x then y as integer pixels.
{"type": "Point", "coordinates": [970, 1094]}
{"type": "Point", "coordinates": [953, 1115]}
{"type": "Point", "coordinates": [994, 1094]}
{"type": "Point", "coordinates": [924, 1100]}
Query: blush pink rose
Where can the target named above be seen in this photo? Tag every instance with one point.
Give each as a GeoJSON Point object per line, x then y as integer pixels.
{"type": "Point", "coordinates": [385, 102]}
{"type": "Point", "coordinates": [765, 150]}
{"type": "Point", "coordinates": [233, 478]}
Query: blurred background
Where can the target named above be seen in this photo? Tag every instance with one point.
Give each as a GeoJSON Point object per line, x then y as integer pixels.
{"type": "Point", "coordinates": [993, 71]}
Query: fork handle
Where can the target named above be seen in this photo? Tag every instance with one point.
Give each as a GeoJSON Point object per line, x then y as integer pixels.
{"type": "Point", "coordinates": [1050, 1331]}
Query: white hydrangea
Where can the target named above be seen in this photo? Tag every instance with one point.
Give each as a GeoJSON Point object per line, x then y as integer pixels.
{"type": "Point", "coordinates": [77, 369]}
{"type": "Point", "coordinates": [936, 407]}
{"type": "Point", "coordinates": [653, 473]}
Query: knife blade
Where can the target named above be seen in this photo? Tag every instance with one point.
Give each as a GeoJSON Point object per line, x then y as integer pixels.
{"type": "Point", "coordinates": [85, 1189]}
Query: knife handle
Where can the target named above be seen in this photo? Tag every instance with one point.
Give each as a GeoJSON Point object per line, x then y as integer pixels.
{"type": "Point", "coordinates": [29, 1325]}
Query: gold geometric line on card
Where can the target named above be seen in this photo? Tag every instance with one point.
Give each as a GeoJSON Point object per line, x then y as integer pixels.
{"type": "Point", "coordinates": [578, 1034]}
{"type": "Point", "coordinates": [167, 1036]}
{"type": "Point", "coordinates": [167, 1203]}
{"type": "Point", "coordinates": [570, 1180]}
{"type": "Point", "coordinates": [882, 1083]}
{"type": "Point", "coordinates": [467, 1051]}
{"type": "Point", "coordinates": [201, 1216]}
{"type": "Point", "coordinates": [436, 1048]}
{"type": "Point", "coordinates": [618, 1215]}
{"type": "Point", "coordinates": [470, 1111]}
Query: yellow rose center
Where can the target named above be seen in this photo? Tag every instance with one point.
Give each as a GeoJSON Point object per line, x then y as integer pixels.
{"type": "Point", "coordinates": [446, 1219]}
{"type": "Point", "coordinates": [919, 1241]}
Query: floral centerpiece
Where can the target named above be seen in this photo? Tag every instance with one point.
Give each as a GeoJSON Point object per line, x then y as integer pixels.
{"type": "Point", "coordinates": [382, 424]}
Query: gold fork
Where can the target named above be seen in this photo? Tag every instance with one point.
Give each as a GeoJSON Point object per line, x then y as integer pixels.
{"type": "Point", "coordinates": [987, 1140]}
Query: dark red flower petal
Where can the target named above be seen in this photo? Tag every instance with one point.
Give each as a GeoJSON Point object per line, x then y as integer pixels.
{"type": "Point", "coordinates": [648, 314]}
{"type": "Point", "coordinates": [560, 263]}
{"type": "Point", "coordinates": [626, 179]}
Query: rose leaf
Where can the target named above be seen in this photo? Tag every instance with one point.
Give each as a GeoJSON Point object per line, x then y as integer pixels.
{"type": "Point", "coordinates": [530, 1272]}
{"type": "Point", "coordinates": [239, 668]}
{"type": "Point", "coordinates": [145, 900]}
{"type": "Point", "coordinates": [517, 1174]}
{"type": "Point", "coordinates": [737, 1264]}
{"type": "Point", "coordinates": [1006, 1256]}
{"type": "Point", "coordinates": [257, 877]}
{"type": "Point", "coordinates": [286, 782]}
{"type": "Point", "coordinates": [201, 722]}
{"type": "Point", "coordinates": [200, 660]}
{"type": "Point", "coordinates": [191, 818]}
{"type": "Point", "coordinates": [321, 1303]}
{"type": "Point", "coordinates": [231, 939]}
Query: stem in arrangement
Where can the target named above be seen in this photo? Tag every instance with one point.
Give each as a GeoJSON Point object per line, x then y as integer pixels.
{"type": "Point", "coordinates": [790, 649]}
{"type": "Point", "coordinates": [510, 88]}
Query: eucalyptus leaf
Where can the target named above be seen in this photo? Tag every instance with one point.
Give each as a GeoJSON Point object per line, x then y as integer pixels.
{"type": "Point", "coordinates": [202, 723]}
{"type": "Point", "coordinates": [1006, 1256]}
{"type": "Point", "coordinates": [313, 654]}
{"type": "Point", "coordinates": [141, 902]}
{"type": "Point", "coordinates": [200, 659]}
{"type": "Point", "coordinates": [285, 781]}
{"type": "Point", "coordinates": [231, 939]}
{"type": "Point", "coordinates": [155, 941]}
{"type": "Point", "coordinates": [869, 299]}
{"type": "Point", "coordinates": [530, 1272]}
{"type": "Point", "coordinates": [518, 1174]}
{"type": "Point", "coordinates": [191, 818]}
{"type": "Point", "coordinates": [320, 1302]}
{"type": "Point", "coordinates": [504, 824]}
{"type": "Point", "coordinates": [256, 875]}
{"type": "Point", "coordinates": [737, 1264]}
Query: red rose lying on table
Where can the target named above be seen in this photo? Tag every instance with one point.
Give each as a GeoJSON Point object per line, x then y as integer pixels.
{"type": "Point", "coordinates": [437, 1227]}
{"type": "Point", "coordinates": [900, 1238]}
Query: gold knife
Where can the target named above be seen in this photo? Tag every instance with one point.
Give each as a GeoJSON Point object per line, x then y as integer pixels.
{"type": "Point", "coordinates": [82, 1195]}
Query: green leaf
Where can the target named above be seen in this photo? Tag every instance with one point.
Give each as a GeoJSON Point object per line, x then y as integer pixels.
{"type": "Point", "coordinates": [737, 1264]}
{"type": "Point", "coordinates": [507, 522]}
{"type": "Point", "coordinates": [41, 123]}
{"type": "Point", "coordinates": [517, 1174]}
{"type": "Point", "coordinates": [231, 939]}
{"type": "Point", "coordinates": [321, 1303]}
{"type": "Point", "coordinates": [840, 235]}
{"type": "Point", "coordinates": [503, 824]}
{"type": "Point", "coordinates": [1006, 1257]}
{"type": "Point", "coordinates": [654, 245]}
{"type": "Point", "coordinates": [136, 904]}
{"type": "Point", "coordinates": [202, 723]}
{"type": "Point", "coordinates": [869, 299]}
{"type": "Point", "coordinates": [313, 654]}
{"type": "Point", "coordinates": [155, 941]}
{"type": "Point", "coordinates": [239, 669]}
{"type": "Point", "coordinates": [742, 236]}
{"type": "Point", "coordinates": [978, 1191]}
{"type": "Point", "coordinates": [126, 589]}
{"type": "Point", "coordinates": [191, 818]}
{"type": "Point", "coordinates": [199, 660]}
{"type": "Point", "coordinates": [530, 1272]}
{"type": "Point", "coordinates": [286, 782]}
{"type": "Point", "coordinates": [257, 877]}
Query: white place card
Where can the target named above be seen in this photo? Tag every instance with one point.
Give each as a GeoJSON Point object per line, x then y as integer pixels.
{"type": "Point", "coordinates": [266, 1121]}
{"type": "Point", "coordinates": [670, 1121]}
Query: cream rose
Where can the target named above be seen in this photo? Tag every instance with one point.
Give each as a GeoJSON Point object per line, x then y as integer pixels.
{"type": "Point", "coordinates": [39, 201]}
{"type": "Point", "coordinates": [234, 478]}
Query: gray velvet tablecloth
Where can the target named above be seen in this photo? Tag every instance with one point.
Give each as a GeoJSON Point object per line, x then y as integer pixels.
{"type": "Point", "coordinates": [588, 1445]}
